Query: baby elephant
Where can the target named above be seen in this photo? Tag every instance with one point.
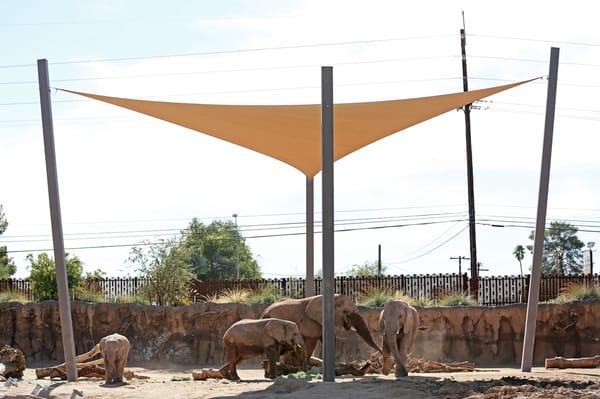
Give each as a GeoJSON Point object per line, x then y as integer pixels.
{"type": "Point", "coordinates": [399, 323]}
{"type": "Point", "coordinates": [114, 349]}
{"type": "Point", "coordinates": [250, 338]}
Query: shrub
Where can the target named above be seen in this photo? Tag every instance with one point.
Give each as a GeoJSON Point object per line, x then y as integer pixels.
{"type": "Point", "coordinates": [265, 296]}
{"type": "Point", "coordinates": [137, 299]}
{"type": "Point", "coordinates": [457, 300]}
{"type": "Point", "coordinates": [88, 295]}
{"type": "Point", "coordinates": [13, 296]}
{"type": "Point", "coordinates": [231, 295]}
{"type": "Point", "coordinates": [579, 292]}
{"type": "Point", "coordinates": [43, 276]}
{"type": "Point", "coordinates": [374, 297]}
{"type": "Point", "coordinates": [168, 276]}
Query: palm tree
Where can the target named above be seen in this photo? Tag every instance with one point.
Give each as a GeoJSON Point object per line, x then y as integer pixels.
{"type": "Point", "coordinates": [519, 253]}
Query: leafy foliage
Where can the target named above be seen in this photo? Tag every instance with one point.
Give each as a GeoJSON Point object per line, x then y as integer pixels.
{"type": "Point", "coordinates": [213, 251]}
{"type": "Point", "coordinates": [579, 292]}
{"type": "Point", "coordinates": [562, 249]}
{"type": "Point", "coordinates": [167, 273]}
{"type": "Point", "coordinates": [367, 269]}
{"type": "Point", "coordinates": [43, 276]}
{"type": "Point", "coordinates": [7, 266]}
{"type": "Point", "coordinates": [13, 296]}
{"type": "Point", "coordinates": [457, 300]}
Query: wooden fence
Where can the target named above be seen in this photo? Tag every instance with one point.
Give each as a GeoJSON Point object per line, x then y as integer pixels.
{"type": "Point", "coordinates": [493, 291]}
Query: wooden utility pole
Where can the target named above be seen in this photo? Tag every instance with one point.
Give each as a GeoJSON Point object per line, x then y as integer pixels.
{"type": "Point", "coordinates": [460, 259]}
{"type": "Point", "coordinates": [470, 188]}
{"type": "Point", "coordinates": [379, 260]}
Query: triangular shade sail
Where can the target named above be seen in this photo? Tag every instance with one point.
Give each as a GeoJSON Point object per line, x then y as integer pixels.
{"type": "Point", "coordinates": [292, 133]}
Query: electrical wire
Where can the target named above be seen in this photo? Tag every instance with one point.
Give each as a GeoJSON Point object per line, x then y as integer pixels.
{"type": "Point", "coordinates": [246, 237]}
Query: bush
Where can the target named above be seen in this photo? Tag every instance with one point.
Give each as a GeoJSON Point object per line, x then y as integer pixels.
{"type": "Point", "coordinates": [168, 276]}
{"type": "Point", "coordinates": [265, 296]}
{"type": "Point", "coordinates": [137, 299]}
{"type": "Point", "coordinates": [13, 296]}
{"type": "Point", "coordinates": [579, 292]}
{"type": "Point", "coordinates": [457, 300]}
{"type": "Point", "coordinates": [43, 276]}
{"type": "Point", "coordinates": [89, 295]}
{"type": "Point", "coordinates": [232, 295]}
{"type": "Point", "coordinates": [374, 297]}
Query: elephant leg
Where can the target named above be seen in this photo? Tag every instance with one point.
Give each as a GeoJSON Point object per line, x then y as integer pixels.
{"type": "Point", "coordinates": [310, 344]}
{"type": "Point", "coordinates": [385, 366]}
{"type": "Point", "coordinates": [400, 355]}
{"type": "Point", "coordinates": [272, 353]}
{"type": "Point", "coordinates": [233, 358]}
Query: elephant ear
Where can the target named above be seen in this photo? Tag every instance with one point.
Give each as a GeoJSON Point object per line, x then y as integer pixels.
{"type": "Point", "coordinates": [314, 309]}
{"type": "Point", "coordinates": [410, 322]}
{"type": "Point", "coordinates": [276, 330]}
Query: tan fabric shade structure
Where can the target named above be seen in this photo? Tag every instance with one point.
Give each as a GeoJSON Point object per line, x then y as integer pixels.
{"type": "Point", "coordinates": [292, 133]}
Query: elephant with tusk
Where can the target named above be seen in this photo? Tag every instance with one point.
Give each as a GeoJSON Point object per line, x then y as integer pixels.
{"type": "Point", "coordinates": [399, 323]}
{"type": "Point", "coordinates": [307, 313]}
{"type": "Point", "coordinates": [246, 339]}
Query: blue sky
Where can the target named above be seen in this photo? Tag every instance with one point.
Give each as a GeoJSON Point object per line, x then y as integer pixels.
{"type": "Point", "coordinates": [123, 172]}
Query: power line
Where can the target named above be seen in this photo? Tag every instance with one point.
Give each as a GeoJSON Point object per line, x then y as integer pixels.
{"type": "Point", "coordinates": [236, 51]}
{"type": "Point", "coordinates": [433, 249]}
{"type": "Point", "coordinates": [572, 43]}
{"type": "Point", "coordinates": [358, 210]}
{"type": "Point", "coordinates": [250, 227]}
{"type": "Point", "coordinates": [250, 90]}
{"type": "Point", "coordinates": [247, 237]}
{"type": "Point", "coordinates": [151, 75]}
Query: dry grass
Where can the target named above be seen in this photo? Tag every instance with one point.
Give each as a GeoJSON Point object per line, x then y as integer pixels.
{"type": "Point", "coordinates": [579, 292]}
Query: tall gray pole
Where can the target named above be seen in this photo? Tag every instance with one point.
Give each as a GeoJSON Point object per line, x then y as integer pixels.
{"type": "Point", "coordinates": [328, 339]}
{"type": "Point", "coordinates": [64, 304]}
{"type": "Point", "coordinates": [538, 243]}
{"type": "Point", "coordinates": [309, 282]}
{"type": "Point", "coordinates": [379, 260]}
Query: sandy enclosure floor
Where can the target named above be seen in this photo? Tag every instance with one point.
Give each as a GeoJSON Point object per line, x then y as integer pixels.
{"type": "Point", "coordinates": [498, 383]}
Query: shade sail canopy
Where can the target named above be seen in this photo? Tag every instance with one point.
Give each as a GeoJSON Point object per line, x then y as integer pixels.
{"type": "Point", "coordinates": [292, 133]}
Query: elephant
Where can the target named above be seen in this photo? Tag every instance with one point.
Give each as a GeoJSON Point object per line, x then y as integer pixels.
{"type": "Point", "coordinates": [247, 338]}
{"type": "Point", "coordinates": [307, 313]}
{"type": "Point", "coordinates": [399, 323]}
{"type": "Point", "coordinates": [114, 349]}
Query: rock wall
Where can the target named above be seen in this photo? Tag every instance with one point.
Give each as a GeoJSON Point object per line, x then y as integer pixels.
{"type": "Point", "coordinates": [192, 334]}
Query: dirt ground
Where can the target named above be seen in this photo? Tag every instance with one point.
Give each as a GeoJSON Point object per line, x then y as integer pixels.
{"type": "Point", "coordinates": [485, 384]}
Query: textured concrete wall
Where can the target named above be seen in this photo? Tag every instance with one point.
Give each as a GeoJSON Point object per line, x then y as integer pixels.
{"type": "Point", "coordinates": [192, 334]}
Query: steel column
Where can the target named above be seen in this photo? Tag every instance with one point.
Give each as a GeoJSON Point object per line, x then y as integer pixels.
{"type": "Point", "coordinates": [328, 339]}
{"type": "Point", "coordinates": [64, 304]}
{"type": "Point", "coordinates": [538, 244]}
{"type": "Point", "coordinates": [309, 282]}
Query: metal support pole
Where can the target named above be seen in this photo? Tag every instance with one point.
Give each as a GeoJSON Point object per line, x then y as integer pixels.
{"type": "Point", "coordinates": [328, 339]}
{"type": "Point", "coordinates": [309, 283]}
{"type": "Point", "coordinates": [64, 305]}
{"type": "Point", "coordinates": [470, 189]}
{"type": "Point", "coordinates": [538, 244]}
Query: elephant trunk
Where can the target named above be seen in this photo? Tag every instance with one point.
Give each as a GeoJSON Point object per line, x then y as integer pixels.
{"type": "Point", "coordinates": [361, 328]}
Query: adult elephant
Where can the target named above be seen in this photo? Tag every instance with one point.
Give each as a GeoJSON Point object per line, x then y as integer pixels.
{"type": "Point", "coordinates": [399, 323]}
{"type": "Point", "coordinates": [307, 313]}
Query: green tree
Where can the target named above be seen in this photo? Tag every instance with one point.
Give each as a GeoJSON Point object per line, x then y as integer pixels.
{"type": "Point", "coordinates": [43, 276]}
{"type": "Point", "coordinates": [367, 269]}
{"type": "Point", "coordinates": [519, 254]}
{"type": "Point", "coordinates": [214, 250]}
{"type": "Point", "coordinates": [562, 249]}
{"type": "Point", "coordinates": [7, 266]}
{"type": "Point", "coordinates": [167, 273]}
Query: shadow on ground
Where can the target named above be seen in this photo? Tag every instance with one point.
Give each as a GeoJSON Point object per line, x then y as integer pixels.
{"type": "Point", "coordinates": [426, 387]}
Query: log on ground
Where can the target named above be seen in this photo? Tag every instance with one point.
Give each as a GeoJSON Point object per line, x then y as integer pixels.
{"type": "Point", "coordinates": [573, 363]}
